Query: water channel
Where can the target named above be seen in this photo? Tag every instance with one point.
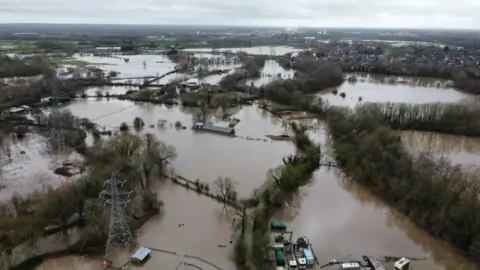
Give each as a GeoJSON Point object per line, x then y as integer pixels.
{"type": "Point", "coordinates": [342, 220]}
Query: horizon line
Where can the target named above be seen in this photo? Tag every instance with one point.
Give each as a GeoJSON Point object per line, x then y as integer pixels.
{"type": "Point", "coordinates": [232, 25]}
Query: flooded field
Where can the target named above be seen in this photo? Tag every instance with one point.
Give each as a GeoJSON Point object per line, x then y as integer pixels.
{"type": "Point", "coordinates": [204, 156]}
{"type": "Point", "coordinates": [154, 64]}
{"type": "Point", "coordinates": [392, 89]}
{"type": "Point", "coordinates": [259, 50]}
{"type": "Point", "coordinates": [270, 72]}
{"type": "Point", "coordinates": [30, 167]}
{"type": "Point", "coordinates": [206, 233]}
{"type": "Point", "coordinates": [460, 150]}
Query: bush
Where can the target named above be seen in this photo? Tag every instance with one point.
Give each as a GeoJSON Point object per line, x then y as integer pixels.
{"type": "Point", "coordinates": [124, 127]}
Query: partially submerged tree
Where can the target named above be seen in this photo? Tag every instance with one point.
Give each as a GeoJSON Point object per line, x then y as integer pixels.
{"type": "Point", "coordinates": [138, 123]}
{"type": "Point", "coordinates": [154, 154]}
{"type": "Point", "coordinates": [225, 188]}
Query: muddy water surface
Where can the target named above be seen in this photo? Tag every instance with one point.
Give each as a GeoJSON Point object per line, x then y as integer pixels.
{"type": "Point", "coordinates": [204, 156]}
{"type": "Point", "coordinates": [30, 167]}
{"type": "Point", "coordinates": [190, 224]}
{"type": "Point", "coordinates": [393, 89]}
{"type": "Point", "coordinates": [340, 218]}
{"type": "Point", "coordinates": [460, 150]}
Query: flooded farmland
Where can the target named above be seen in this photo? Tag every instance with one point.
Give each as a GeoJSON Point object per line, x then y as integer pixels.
{"type": "Point", "coordinates": [343, 221]}
{"type": "Point", "coordinates": [374, 88]}
{"type": "Point", "coordinates": [459, 150]}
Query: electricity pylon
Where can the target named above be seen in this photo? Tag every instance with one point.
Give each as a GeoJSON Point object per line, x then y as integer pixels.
{"type": "Point", "coordinates": [57, 130]}
{"type": "Point", "coordinates": [119, 233]}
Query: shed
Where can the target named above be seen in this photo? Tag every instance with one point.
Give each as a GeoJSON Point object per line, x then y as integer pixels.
{"type": "Point", "coordinates": [219, 129]}
{"type": "Point", "coordinates": [280, 257]}
{"type": "Point", "coordinates": [278, 225]}
{"type": "Point", "coordinates": [141, 255]}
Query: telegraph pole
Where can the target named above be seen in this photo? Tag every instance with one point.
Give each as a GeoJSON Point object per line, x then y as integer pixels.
{"type": "Point", "coordinates": [119, 233]}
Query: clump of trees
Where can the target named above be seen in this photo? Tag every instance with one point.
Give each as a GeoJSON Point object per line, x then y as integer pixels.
{"type": "Point", "coordinates": [13, 67]}
{"type": "Point", "coordinates": [225, 189]}
{"type": "Point", "coordinates": [252, 68]}
{"type": "Point", "coordinates": [437, 196]}
{"type": "Point", "coordinates": [451, 118]}
{"type": "Point", "coordinates": [312, 76]}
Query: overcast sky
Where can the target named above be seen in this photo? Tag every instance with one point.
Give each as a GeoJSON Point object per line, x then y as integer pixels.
{"type": "Point", "coordinates": [294, 13]}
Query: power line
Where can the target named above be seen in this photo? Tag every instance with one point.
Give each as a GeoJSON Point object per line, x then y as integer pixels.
{"type": "Point", "coordinates": [112, 113]}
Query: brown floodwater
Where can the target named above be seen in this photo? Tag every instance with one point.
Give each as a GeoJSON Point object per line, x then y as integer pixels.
{"type": "Point", "coordinates": [460, 150]}
{"type": "Point", "coordinates": [342, 220]}
{"type": "Point", "coordinates": [30, 167]}
{"type": "Point", "coordinates": [400, 89]}
{"type": "Point", "coordinates": [205, 233]}
{"type": "Point", "coordinates": [345, 221]}
{"type": "Point", "coordinates": [204, 156]}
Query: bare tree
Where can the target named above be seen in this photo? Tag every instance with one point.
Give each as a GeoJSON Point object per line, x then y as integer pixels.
{"type": "Point", "coordinates": [240, 220]}
{"type": "Point", "coordinates": [154, 155]}
{"type": "Point", "coordinates": [225, 188]}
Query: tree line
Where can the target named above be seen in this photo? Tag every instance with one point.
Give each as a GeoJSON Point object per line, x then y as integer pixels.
{"type": "Point", "coordinates": [450, 118]}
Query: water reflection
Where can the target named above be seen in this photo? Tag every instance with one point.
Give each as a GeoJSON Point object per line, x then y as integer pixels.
{"type": "Point", "coordinates": [375, 89]}
{"type": "Point", "coordinates": [458, 149]}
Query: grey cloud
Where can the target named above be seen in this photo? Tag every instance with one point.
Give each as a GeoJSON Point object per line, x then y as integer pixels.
{"type": "Point", "coordinates": [341, 13]}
